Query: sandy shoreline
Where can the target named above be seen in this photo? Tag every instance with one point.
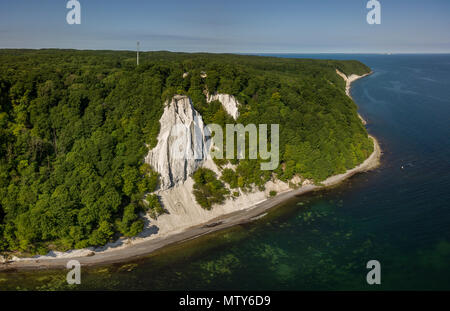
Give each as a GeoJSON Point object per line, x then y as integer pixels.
{"type": "Point", "coordinates": [145, 247]}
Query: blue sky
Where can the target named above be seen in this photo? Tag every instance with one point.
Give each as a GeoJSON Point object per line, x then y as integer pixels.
{"type": "Point", "coordinates": [246, 26]}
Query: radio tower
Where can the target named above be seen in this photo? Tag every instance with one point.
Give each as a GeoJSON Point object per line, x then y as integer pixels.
{"type": "Point", "coordinates": [137, 55]}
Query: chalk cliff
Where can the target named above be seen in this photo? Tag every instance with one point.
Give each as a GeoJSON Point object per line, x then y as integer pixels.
{"type": "Point", "coordinates": [181, 146]}
{"type": "Point", "coordinates": [229, 103]}
{"type": "Point", "coordinates": [176, 183]}
{"type": "Point", "coordinates": [182, 129]}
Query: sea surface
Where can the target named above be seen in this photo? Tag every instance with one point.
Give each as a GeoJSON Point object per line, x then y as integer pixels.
{"type": "Point", "coordinates": [398, 214]}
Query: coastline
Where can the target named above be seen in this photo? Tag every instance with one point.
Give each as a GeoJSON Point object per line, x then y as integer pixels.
{"type": "Point", "coordinates": [148, 245]}
{"type": "Point", "coordinates": [348, 86]}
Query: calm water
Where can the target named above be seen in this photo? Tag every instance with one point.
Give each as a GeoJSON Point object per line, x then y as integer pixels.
{"type": "Point", "coordinates": [400, 217]}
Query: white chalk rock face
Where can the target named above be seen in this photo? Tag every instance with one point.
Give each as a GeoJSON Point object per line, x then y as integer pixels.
{"type": "Point", "coordinates": [182, 143]}
{"type": "Point", "coordinates": [229, 103]}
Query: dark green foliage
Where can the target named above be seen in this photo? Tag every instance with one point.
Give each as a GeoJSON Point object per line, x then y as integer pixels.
{"type": "Point", "coordinates": [208, 190]}
{"type": "Point", "coordinates": [130, 224]}
{"type": "Point", "coordinates": [229, 176]}
{"type": "Point", "coordinates": [154, 206]}
{"type": "Point", "coordinates": [75, 127]}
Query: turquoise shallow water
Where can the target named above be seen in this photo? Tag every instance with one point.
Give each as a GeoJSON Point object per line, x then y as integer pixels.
{"type": "Point", "coordinates": [398, 216]}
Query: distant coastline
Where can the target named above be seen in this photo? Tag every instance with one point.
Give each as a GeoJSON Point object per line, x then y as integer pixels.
{"type": "Point", "coordinates": [145, 246]}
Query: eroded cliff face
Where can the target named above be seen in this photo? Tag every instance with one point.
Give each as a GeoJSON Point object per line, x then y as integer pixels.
{"type": "Point", "coordinates": [182, 141]}
{"type": "Point", "coordinates": [182, 129]}
{"type": "Point", "coordinates": [181, 146]}
{"type": "Point", "coordinates": [229, 103]}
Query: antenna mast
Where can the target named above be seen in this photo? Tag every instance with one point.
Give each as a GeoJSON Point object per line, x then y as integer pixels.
{"type": "Point", "coordinates": [137, 55]}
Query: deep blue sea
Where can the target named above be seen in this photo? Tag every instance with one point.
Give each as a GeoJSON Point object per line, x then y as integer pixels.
{"type": "Point", "coordinates": [398, 214]}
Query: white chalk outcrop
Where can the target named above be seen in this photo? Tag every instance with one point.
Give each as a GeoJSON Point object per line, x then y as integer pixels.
{"type": "Point", "coordinates": [181, 146]}
{"type": "Point", "coordinates": [176, 183]}
{"type": "Point", "coordinates": [229, 103]}
{"type": "Point", "coordinates": [182, 141]}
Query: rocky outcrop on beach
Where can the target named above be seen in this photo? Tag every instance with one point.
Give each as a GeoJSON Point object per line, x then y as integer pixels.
{"type": "Point", "coordinates": [181, 146]}
{"type": "Point", "coordinates": [229, 103]}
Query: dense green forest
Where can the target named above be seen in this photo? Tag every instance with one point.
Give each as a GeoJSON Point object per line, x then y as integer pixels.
{"type": "Point", "coordinates": [75, 127]}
